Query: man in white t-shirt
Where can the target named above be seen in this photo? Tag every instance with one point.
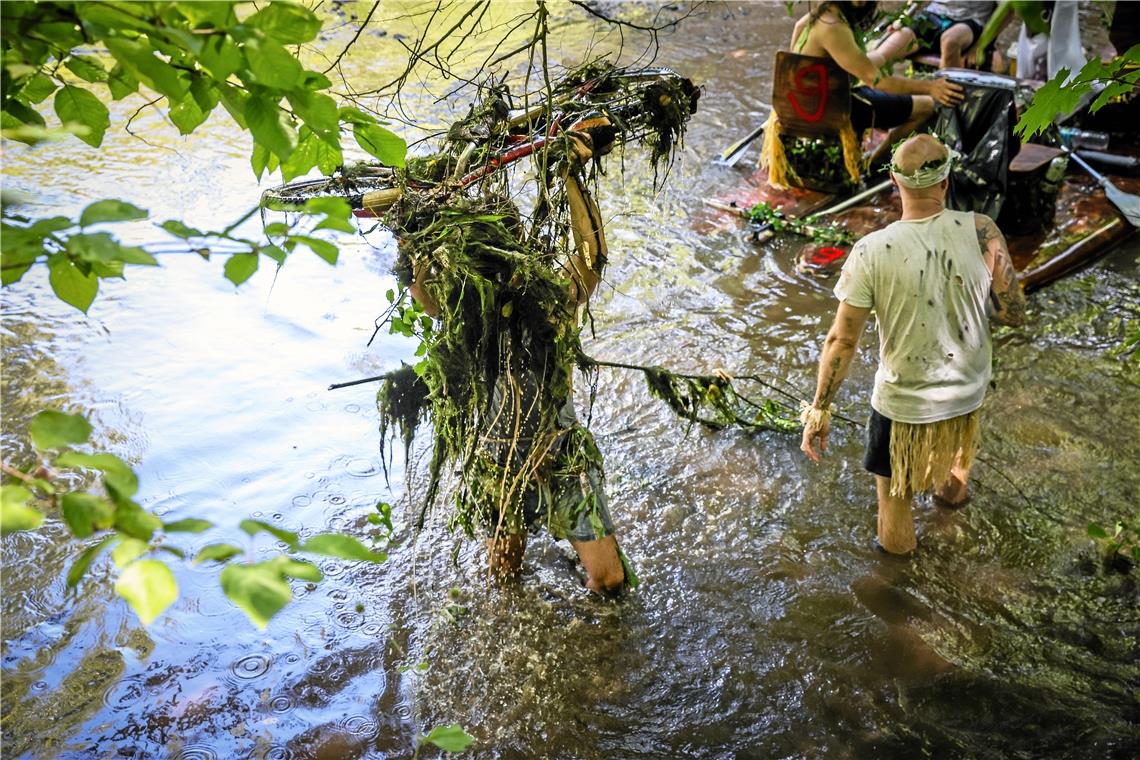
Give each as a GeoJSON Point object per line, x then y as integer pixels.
{"type": "Point", "coordinates": [934, 279]}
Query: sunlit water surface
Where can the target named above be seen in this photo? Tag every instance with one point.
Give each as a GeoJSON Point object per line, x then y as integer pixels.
{"type": "Point", "coordinates": [765, 626]}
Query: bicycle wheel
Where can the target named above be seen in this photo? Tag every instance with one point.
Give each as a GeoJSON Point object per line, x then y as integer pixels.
{"type": "Point", "coordinates": [293, 195]}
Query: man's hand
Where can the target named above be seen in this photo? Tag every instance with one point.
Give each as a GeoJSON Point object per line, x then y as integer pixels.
{"type": "Point", "coordinates": [946, 92]}
{"type": "Point", "coordinates": [811, 434]}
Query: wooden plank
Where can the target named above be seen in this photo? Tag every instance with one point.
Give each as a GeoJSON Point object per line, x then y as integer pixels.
{"type": "Point", "coordinates": [811, 96]}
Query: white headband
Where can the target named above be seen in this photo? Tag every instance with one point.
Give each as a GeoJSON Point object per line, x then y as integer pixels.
{"type": "Point", "coordinates": [927, 175]}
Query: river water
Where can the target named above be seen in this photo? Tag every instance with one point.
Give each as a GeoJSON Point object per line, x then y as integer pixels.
{"type": "Point", "coordinates": [765, 625]}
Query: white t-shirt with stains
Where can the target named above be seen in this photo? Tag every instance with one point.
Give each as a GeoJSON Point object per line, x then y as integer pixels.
{"type": "Point", "coordinates": [928, 283]}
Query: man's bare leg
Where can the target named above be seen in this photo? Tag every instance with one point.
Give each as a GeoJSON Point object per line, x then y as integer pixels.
{"type": "Point", "coordinates": [600, 559]}
{"type": "Point", "coordinates": [898, 45]}
{"type": "Point", "coordinates": [505, 555]}
{"type": "Point", "coordinates": [954, 42]}
{"type": "Point", "coordinates": [896, 523]}
{"type": "Point", "coordinates": [955, 492]}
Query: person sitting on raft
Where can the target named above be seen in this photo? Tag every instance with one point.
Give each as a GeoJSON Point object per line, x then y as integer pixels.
{"type": "Point", "coordinates": [947, 26]}
{"type": "Point", "coordinates": [884, 101]}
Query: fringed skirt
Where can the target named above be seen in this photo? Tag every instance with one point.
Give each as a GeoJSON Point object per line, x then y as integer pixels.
{"type": "Point", "coordinates": [922, 455]}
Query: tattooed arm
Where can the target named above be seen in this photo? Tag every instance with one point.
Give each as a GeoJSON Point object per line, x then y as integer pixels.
{"type": "Point", "coordinates": [838, 350]}
{"type": "Point", "coordinates": [1005, 290]}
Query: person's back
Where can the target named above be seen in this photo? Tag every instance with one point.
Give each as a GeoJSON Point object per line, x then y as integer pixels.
{"type": "Point", "coordinates": [928, 282]}
{"type": "Point", "coordinates": [883, 101]}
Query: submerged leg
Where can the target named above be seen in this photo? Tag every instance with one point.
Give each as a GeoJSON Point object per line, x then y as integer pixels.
{"type": "Point", "coordinates": [896, 524]}
{"type": "Point", "coordinates": [600, 559]}
{"type": "Point", "coordinates": [955, 492]}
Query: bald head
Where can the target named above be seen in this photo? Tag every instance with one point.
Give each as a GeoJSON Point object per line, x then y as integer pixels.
{"type": "Point", "coordinates": [917, 151]}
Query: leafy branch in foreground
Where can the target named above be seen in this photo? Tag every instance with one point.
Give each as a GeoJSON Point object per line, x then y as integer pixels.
{"type": "Point", "coordinates": [1060, 95]}
{"type": "Point", "coordinates": [78, 258]}
{"type": "Point", "coordinates": [185, 59]}
{"type": "Point", "coordinates": [136, 538]}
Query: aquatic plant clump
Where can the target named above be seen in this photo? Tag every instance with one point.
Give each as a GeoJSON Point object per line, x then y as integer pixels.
{"type": "Point", "coordinates": [496, 375]}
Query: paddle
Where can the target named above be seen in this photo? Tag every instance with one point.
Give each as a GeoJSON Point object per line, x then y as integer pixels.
{"type": "Point", "coordinates": [730, 155]}
{"type": "Point", "coordinates": [1128, 203]}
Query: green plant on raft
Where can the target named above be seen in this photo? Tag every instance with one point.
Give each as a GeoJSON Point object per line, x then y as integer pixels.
{"type": "Point", "coordinates": [764, 214]}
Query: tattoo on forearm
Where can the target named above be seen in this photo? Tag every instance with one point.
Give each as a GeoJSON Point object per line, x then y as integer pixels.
{"type": "Point", "coordinates": [833, 370]}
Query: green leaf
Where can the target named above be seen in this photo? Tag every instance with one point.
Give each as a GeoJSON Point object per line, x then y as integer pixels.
{"type": "Point", "coordinates": [287, 23]}
{"type": "Point", "coordinates": [178, 229]}
{"type": "Point", "coordinates": [270, 126]}
{"type": "Point", "coordinates": [319, 112]}
{"type": "Point", "coordinates": [353, 115]}
{"type": "Point", "coordinates": [187, 115]}
{"type": "Point", "coordinates": [240, 267]}
{"type": "Point", "coordinates": [274, 253]}
{"type": "Point", "coordinates": [110, 211]}
{"type": "Point", "coordinates": [139, 59]}
{"type": "Point", "coordinates": [338, 213]}
{"type": "Point", "coordinates": [342, 546]}
{"type": "Point", "coordinates": [304, 156]}
{"type": "Point", "coordinates": [134, 521]}
{"type": "Point", "coordinates": [271, 65]}
{"type": "Point", "coordinates": [449, 738]}
{"type": "Point", "coordinates": [253, 527]}
{"type": "Point", "coordinates": [323, 248]}
{"type": "Point", "coordinates": [101, 247]}
{"type": "Point", "coordinates": [70, 284]}
{"type": "Point", "coordinates": [37, 89]}
{"type": "Point", "coordinates": [259, 590]}
{"type": "Point", "coordinates": [204, 92]}
{"type": "Point", "coordinates": [299, 569]}
{"type": "Point", "coordinates": [1048, 102]}
{"type": "Point", "coordinates": [117, 474]}
{"type": "Point", "coordinates": [235, 101]}
{"type": "Point", "coordinates": [149, 587]}
{"type": "Point", "coordinates": [78, 568]}
{"type": "Point", "coordinates": [128, 550]}
{"type": "Point", "coordinates": [172, 550]}
{"type": "Point", "coordinates": [87, 68]}
{"type": "Point", "coordinates": [1096, 531]}
{"type": "Point", "coordinates": [86, 513]}
{"type": "Point", "coordinates": [385, 145]}
{"type": "Point", "coordinates": [217, 553]}
{"type": "Point", "coordinates": [220, 56]}
{"type": "Point", "coordinates": [277, 229]}
{"type": "Point", "coordinates": [15, 514]}
{"type": "Point", "coordinates": [187, 525]}
{"type": "Point", "coordinates": [55, 430]}
{"type": "Point", "coordinates": [262, 160]}
{"type": "Point", "coordinates": [21, 114]}
{"type": "Point", "coordinates": [121, 82]}
{"type": "Point", "coordinates": [74, 104]}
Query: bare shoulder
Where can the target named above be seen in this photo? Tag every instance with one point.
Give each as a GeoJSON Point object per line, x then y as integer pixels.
{"type": "Point", "coordinates": [988, 231]}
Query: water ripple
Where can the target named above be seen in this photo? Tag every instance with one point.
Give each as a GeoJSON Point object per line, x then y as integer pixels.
{"type": "Point", "coordinates": [251, 666]}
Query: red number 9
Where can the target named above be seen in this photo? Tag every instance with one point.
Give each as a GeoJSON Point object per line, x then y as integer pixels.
{"type": "Point", "coordinates": [816, 90]}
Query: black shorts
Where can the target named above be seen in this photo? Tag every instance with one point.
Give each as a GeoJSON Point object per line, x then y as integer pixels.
{"type": "Point", "coordinates": [877, 458]}
{"type": "Point", "coordinates": [928, 29]}
{"type": "Point", "coordinates": [875, 108]}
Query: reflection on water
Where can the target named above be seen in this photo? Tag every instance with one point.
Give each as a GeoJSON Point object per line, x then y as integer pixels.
{"type": "Point", "coordinates": [765, 625]}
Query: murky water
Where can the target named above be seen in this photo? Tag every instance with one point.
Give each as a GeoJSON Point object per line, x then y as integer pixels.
{"type": "Point", "coordinates": [765, 625]}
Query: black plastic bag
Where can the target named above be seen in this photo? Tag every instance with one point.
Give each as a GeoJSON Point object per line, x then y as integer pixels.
{"type": "Point", "coordinates": [981, 129]}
